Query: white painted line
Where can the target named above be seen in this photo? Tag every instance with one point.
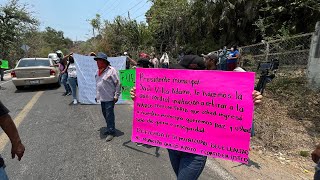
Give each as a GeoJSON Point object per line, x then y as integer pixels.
{"type": "Point", "coordinates": [5, 82]}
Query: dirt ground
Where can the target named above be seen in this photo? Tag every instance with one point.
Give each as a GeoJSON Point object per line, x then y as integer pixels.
{"type": "Point", "coordinates": [287, 128]}
{"type": "Point", "coordinates": [265, 165]}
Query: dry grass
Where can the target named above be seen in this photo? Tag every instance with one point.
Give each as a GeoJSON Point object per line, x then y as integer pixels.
{"type": "Point", "coordinates": [289, 118]}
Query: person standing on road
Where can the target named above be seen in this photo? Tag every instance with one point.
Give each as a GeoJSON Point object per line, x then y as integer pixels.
{"type": "Point", "coordinates": [72, 78]}
{"type": "Point", "coordinates": [315, 155]}
{"type": "Point", "coordinates": [108, 91]}
{"type": "Point", "coordinates": [1, 71]}
{"type": "Point", "coordinates": [188, 166]}
{"type": "Point", "coordinates": [10, 129]}
{"type": "Point", "coordinates": [63, 71]}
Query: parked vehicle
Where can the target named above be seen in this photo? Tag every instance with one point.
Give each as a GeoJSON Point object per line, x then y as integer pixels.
{"type": "Point", "coordinates": [35, 71]}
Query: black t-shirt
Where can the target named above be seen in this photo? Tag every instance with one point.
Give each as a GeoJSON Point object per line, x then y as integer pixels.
{"type": "Point", "coordinates": [3, 110]}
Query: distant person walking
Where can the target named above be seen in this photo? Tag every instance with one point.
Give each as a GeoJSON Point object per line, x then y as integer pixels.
{"type": "Point", "coordinates": [108, 91]}
{"type": "Point", "coordinates": [72, 78]}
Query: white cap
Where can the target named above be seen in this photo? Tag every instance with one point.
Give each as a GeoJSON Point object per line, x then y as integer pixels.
{"type": "Point", "coordinates": [125, 53]}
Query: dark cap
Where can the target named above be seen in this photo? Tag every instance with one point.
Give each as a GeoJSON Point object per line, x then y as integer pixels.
{"type": "Point", "coordinates": [190, 62]}
{"type": "Point", "coordinates": [211, 55]}
{"type": "Point", "coordinates": [101, 55]}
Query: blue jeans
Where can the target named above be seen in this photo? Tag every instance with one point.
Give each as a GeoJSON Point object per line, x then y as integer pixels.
{"type": "Point", "coordinates": [64, 78]}
{"type": "Point", "coordinates": [187, 166]}
{"type": "Point", "coordinates": [108, 114]}
{"type": "Point", "coordinates": [252, 130]}
{"type": "Point", "coordinates": [73, 84]}
{"type": "Point", "coordinates": [317, 172]}
{"type": "Point", "coordinates": [3, 174]}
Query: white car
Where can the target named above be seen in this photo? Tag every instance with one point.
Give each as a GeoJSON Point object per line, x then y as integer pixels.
{"type": "Point", "coordinates": [35, 71]}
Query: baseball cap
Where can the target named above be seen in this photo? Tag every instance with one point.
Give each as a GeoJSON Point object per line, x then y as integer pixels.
{"type": "Point", "coordinates": [101, 55]}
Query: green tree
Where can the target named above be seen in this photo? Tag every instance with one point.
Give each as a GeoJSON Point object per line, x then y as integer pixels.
{"type": "Point", "coordinates": [15, 20]}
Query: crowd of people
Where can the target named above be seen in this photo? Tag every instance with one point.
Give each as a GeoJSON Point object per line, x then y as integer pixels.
{"type": "Point", "coordinates": [186, 166]}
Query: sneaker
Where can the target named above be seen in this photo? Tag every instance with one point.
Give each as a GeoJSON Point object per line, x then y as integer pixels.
{"type": "Point", "coordinates": [109, 137]}
{"type": "Point", "coordinates": [75, 102]}
{"type": "Point", "coordinates": [68, 94]}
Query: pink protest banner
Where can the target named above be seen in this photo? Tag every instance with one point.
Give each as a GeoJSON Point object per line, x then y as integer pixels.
{"type": "Point", "coordinates": [202, 112]}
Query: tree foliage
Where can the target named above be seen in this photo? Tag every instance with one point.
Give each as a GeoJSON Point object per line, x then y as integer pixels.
{"type": "Point", "coordinates": [206, 25]}
{"type": "Point", "coordinates": [15, 20]}
{"type": "Point", "coordinates": [18, 27]}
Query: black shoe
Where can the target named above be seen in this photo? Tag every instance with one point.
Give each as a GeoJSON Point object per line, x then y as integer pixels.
{"type": "Point", "coordinates": [64, 94]}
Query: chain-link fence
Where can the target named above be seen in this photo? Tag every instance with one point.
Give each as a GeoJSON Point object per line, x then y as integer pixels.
{"type": "Point", "coordinates": [292, 53]}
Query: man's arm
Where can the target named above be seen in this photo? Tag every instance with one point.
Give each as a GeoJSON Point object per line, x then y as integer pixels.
{"type": "Point", "coordinates": [133, 62]}
{"type": "Point", "coordinates": [10, 129]}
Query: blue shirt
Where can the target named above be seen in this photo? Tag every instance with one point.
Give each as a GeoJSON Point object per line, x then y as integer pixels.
{"type": "Point", "coordinates": [233, 54]}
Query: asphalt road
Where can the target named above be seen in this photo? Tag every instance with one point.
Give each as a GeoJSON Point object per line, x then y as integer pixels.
{"type": "Point", "coordinates": [64, 141]}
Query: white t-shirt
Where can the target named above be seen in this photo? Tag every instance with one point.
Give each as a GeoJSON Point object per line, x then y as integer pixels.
{"type": "Point", "coordinates": [72, 72]}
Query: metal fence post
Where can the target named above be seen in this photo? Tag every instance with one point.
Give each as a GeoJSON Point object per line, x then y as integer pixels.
{"type": "Point", "coordinates": [314, 60]}
{"type": "Point", "coordinates": [267, 50]}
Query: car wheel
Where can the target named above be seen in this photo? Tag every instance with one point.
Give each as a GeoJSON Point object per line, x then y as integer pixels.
{"type": "Point", "coordinates": [57, 84]}
{"type": "Point", "coordinates": [19, 87]}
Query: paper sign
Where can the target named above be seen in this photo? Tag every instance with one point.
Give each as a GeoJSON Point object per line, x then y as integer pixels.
{"type": "Point", "coordinates": [5, 64]}
{"type": "Point", "coordinates": [201, 112]}
{"type": "Point", "coordinates": [127, 79]}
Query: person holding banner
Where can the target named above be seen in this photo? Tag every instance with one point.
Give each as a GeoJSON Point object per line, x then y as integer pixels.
{"type": "Point", "coordinates": [189, 166]}
{"type": "Point", "coordinates": [72, 78]}
{"type": "Point", "coordinates": [64, 75]}
{"type": "Point", "coordinates": [108, 91]}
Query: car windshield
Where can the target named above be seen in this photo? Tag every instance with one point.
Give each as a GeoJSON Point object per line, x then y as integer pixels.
{"type": "Point", "coordinates": [32, 63]}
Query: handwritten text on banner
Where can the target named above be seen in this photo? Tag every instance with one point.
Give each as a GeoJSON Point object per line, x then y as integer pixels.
{"type": "Point", "coordinates": [201, 112]}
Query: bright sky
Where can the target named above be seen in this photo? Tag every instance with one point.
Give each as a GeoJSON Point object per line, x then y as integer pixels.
{"type": "Point", "coordinates": [70, 16]}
